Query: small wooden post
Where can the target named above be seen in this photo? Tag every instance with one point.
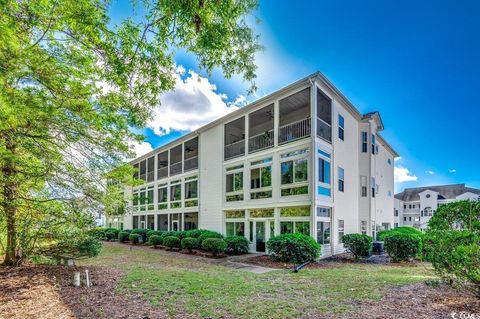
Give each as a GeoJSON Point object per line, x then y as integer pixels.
{"type": "Point", "coordinates": [87, 277]}
{"type": "Point", "coordinates": [76, 279]}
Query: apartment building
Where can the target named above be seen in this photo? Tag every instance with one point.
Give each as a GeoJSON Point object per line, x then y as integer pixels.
{"type": "Point", "coordinates": [415, 206]}
{"type": "Point", "coordinates": [302, 159]}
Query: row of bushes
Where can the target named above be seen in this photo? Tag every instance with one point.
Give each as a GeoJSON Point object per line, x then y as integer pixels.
{"type": "Point", "coordinates": [189, 240]}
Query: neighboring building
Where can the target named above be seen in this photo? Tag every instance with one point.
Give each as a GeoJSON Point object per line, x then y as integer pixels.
{"type": "Point", "coordinates": [415, 206]}
{"type": "Point", "coordinates": [302, 159]}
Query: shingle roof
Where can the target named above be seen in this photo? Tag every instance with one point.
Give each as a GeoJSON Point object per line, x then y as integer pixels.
{"type": "Point", "coordinates": [445, 192]}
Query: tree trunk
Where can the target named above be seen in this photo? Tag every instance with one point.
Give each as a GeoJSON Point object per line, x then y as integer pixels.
{"type": "Point", "coordinates": [9, 206]}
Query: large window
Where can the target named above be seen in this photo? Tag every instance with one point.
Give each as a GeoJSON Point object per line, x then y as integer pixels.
{"type": "Point", "coordinates": [324, 185]}
{"type": "Point", "coordinates": [191, 192]}
{"type": "Point", "coordinates": [341, 127]}
{"type": "Point", "coordinates": [302, 227]}
{"type": "Point", "coordinates": [294, 174]}
{"type": "Point", "coordinates": [373, 144]}
{"type": "Point", "coordinates": [190, 221]}
{"type": "Point", "coordinates": [162, 165]}
{"type": "Point", "coordinates": [235, 228]}
{"type": "Point", "coordinates": [234, 138]}
{"type": "Point", "coordinates": [341, 179]}
{"type": "Point", "coordinates": [363, 185]}
{"type": "Point", "coordinates": [162, 197]}
{"type": "Point", "coordinates": [234, 183]}
{"type": "Point", "coordinates": [151, 169]}
{"type": "Point", "coordinates": [261, 179]}
{"type": "Point", "coordinates": [323, 233]}
{"type": "Point", "coordinates": [176, 195]}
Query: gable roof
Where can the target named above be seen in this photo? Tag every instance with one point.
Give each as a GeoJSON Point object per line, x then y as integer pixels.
{"type": "Point", "coordinates": [444, 192]}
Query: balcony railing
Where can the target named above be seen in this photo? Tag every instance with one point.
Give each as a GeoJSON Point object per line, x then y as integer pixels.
{"type": "Point", "coordinates": [260, 141]}
{"type": "Point", "coordinates": [294, 131]}
{"type": "Point", "coordinates": [175, 168]}
{"type": "Point", "coordinates": [235, 149]}
{"type": "Point", "coordinates": [191, 164]}
{"type": "Point", "coordinates": [162, 172]}
{"type": "Point", "coordinates": [324, 130]}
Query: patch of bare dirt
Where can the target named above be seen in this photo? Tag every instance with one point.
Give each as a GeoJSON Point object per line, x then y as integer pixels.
{"type": "Point", "coordinates": [266, 261]}
{"type": "Point", "coordinates": [421, 301]}
{"type": "Point", "coordinates": [46, 292]}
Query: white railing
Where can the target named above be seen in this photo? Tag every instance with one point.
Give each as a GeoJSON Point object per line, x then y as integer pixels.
{"type": "Point", "coordinates": [190, 164]}
{"type": "Point", "coordinates": [294, 131]}
{"type": "Point", "coordinates": [260, 141]}
{"type": "Point", "coordinates": [162, 172]}
{"type": "Point", "coordinates": [324, 130]}
{"type": "Point", "coordinates": [175, 168]}
{"type": "Point", "coordinates": [235, 149]}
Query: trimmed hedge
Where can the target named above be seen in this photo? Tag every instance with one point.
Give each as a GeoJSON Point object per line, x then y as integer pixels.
{"type": "Point", "coordinates": [142, 232]}
{"type": "Point", "coordinates": [134, 238]}
{"type": "Point", "coordinates": [214, 245]}
{"type": "Point", "coordinates": [402, 247]}
{"type": "Point", "coordinates": [296, 248]}
{"type": "Point", "coordinates": [189, 243]}
{"type": "Point", "coordinates": [154, 232]}
{"type": "Point", "coordinates": [359, 245]}
{"type": "Point", "coordinates": [236, 245]}
{"type": "Point", "coordinates": [155, 240]}
{"type": "Point", "coordinates": [171, 242]}
{"type": "Point", "coordinates": [209, 234]}
{"type": "Point", "coordinates": [399, 230]}
{"type": "Point", "coordinates": [195, 233]}
{"type": "Point", "coordinates": [123, 236]}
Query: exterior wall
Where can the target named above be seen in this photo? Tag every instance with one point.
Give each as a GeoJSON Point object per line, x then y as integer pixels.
{"type": "Point", "coordinates": [348, 205]}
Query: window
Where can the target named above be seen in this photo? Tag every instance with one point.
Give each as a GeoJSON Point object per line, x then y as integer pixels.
{"type": "Point", "coordinates": [190, 221]}
{"type": "Point", "coordinates": [364, 142]}
{"type": "Point", "coordinates": [395, 212]}
{"type": "Point", "coordinates": [191, 192]}
{"type": "Point", "coordinates": [363, 227]}
{"type": "Point", "coordinates": [235, 182]}
{"type": "Point", "coordinates": [341, 230]}
{"type": "Point", "coordinates": [373, 144]}
{"type": "Point", "coordinates": [261, 180]}
{"type": "Point", "coordinates": [373, 186]}
{"type": "Point", "coordinates": [363, 184]}
{"type": "Point", "coordinates": [341, 127]}
{"type": "Point", "coordinates": [324, 173]}
{"type": "Point", "coordinates": [404, 218]}
{"type": "Point", "coordinates": [395, 225]}
{"type": "Point", "coordinates": [341, 179]}
{"type": "Point", "coordinates": [176, 196]}
{"type": "Point", "coordinates": [323, 212]}
{"type": "Point", "coordinates": [150, 198]}
{"type": "Point", "coordinates": [323, 233]}
{"type": "Point", "coordinates": [389, 161]}
{"type": "Point", "coordinates": [162, 197]}
{"type": "Point", "coordinates": [428, 196]}
{"type": "Point", "coordinates": [235, 228]}
{"type": "Point", "coordinates": [409, 218]}
{"type": "Point", "coordinates": [302, 227]}
{"type": "Point", "coordinates": [143, 170]}
{"type": "Point", "coordinates": [389, 193]}
{"type": "Point", "coordinates": [151, 169]}
{"type": "Point", "coordinates": [294, 171]}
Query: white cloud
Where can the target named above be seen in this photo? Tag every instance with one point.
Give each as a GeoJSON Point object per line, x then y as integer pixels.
{"type": "Point", "coordinates": [430, 172]}
{"type": "Point", "coordinates": [192, 104]}
{"type": "Point", "coordinates": [452, 170]}
{"type": "Point", "coordinates": [402, 174]}
{"type": "Point", "coordinates": [141, 148]}
{"type": "Point", "coordinates": [398, 159]}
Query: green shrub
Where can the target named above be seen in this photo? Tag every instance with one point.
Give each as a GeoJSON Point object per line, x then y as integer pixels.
{"type": "Point", "coordinates": [359, 245]}
{"type": "Point", "coordinates": [399, 230]}
{"type": "Point", "coordinates": [123, 236]}
{"type": "Point", "coordinates": [237, 245]}
{"type": "Point", "coordinates": [402, 247]}
{"type": "Point", "coordinates": [455, 253]}
{"type": "Point", "coordinates": [97, 232]}
{"type": "Point", "coordinates": [195, 233]}
{"type": "Point", "coordinates": [171, 242]}
{"type": "Point", "coordinates": [155, 240]}
{"type": "Point", "coordinates": [154, 232]}
{"type": "Point", "coordinates": [134, 238]}
{"type": "Point", "coordinates": [170, 233]}
{"type": "Point", "coordinates": [214, 245]}
{"type": "Point", "coordinates": [142, 232]}
{"type": "Point", "coordinates": [190, 243]}
{"type": "Point", "coordinates": [209, 234]}
{"type": "Point", "coordinates": [111, 235]}
{"type": "Point", "coordinates": [296, 248]}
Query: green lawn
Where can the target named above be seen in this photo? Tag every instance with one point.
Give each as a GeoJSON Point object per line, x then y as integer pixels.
{"type": "Point", "coordinates": [202, 289]}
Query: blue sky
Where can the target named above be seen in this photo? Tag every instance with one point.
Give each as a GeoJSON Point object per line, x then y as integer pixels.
{"type": "Point", "coordinates": [415, 62]}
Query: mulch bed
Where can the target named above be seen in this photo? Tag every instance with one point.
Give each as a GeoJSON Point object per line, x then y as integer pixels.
{"type": "Point", "coordinates": [47, 292]}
